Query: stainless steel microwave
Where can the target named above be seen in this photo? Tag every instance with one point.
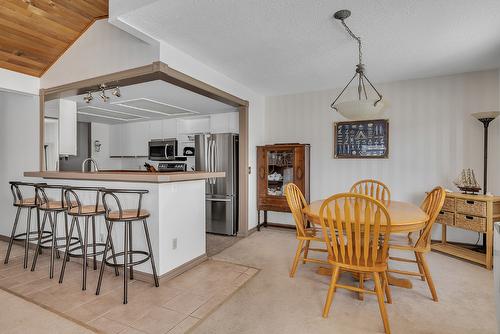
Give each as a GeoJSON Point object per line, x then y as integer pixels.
{"type": "Point", "coordinates": [162, 149]}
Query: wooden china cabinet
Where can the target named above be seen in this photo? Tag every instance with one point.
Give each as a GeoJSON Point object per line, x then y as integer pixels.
{"type": "Point", "coordinates": [278, 165]}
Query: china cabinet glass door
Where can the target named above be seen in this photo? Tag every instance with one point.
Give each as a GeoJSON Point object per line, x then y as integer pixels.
{"type": "Point", "coordinates": [279, 171]}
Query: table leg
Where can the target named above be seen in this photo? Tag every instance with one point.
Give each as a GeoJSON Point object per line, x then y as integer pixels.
{"type": "Point", "coordinates": [258, 220]}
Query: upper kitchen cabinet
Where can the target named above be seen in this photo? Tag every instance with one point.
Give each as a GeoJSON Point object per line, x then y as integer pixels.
{"type": "Point", "coordinates": [169, 129]}
{"type": "Point", "coordinates": [224, 123]}
{"type": "Point", "coordinates": [67, 127]}
{"type": "Point", "coordinates": [193, 125]}
{"type": "Point", "coordinates": [136, 139]}
{"type": "Point", "coordinates": [116, 135]}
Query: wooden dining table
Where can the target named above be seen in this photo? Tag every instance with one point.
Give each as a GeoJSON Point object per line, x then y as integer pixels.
{"type": "Point", "coordinates": [405, 218]}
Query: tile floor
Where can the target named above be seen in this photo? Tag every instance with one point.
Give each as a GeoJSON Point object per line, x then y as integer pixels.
{"type": "Point", "coordinates": [175, 307]}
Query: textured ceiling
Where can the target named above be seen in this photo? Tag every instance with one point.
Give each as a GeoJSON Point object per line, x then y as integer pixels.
{"type": "Point", "coordinates": [284, 46]}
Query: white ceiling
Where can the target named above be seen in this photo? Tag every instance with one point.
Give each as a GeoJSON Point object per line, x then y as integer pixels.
{"type": "Point", "coordinates": [167, 99]}
{"type": "Point", "coordinates": [284, 46]}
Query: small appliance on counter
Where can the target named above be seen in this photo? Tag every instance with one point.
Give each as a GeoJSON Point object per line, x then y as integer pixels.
{"type": "Point", "coordinates": [172, 167]}
{"type": "Point", "coordinates": [162, 149]}
{"type": "Point", "coordinates": [188, 151]}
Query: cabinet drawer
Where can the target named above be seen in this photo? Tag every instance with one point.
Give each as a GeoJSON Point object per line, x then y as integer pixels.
{"type": "Point", "coordinates": [449, 204]}
{"type": "Point", "coordinates": [472, 223]}
{"type": "Point", "coordinates": [471, 207]}
{"type": "Point", "coordinates": [445, 217]}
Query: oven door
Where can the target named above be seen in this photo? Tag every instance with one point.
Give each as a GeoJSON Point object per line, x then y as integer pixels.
{"type": "Point", "coordinates": [157, 151]}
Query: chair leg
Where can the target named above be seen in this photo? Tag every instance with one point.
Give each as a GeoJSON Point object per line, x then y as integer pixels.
{"type": "Point", "coordinates": [105, 254]}
{"type": "Point", "coordinates": [94, 240]}
{"type": "Point", "coordinates": [53, 243]}
{"type": "Point", "coordinates": [66, 252]}
{"type": "Point", "coordinates": [420, 268]}
{"type": "Point", "coordinates": [66, 230]}
{"type": "Point", "coordinates": [84, 253]}
{"type": "Point", "coordinates": [306, 251]}
{"type": "Point", "coordinates": [296, 259]}
{"type": "Point", "coordinates": [56, 247]}
{"type": "Point", "coordinates": [387, 288]}
{"type": "Point", "coordinates": [381, 304]}
{"type": "Point", "coordinates": [125, 263]}
{"type": "Point", "coordinates": [117, 273]}
{"type": "Point", "coordinates": [11, 240]}
{"type": "Point", "coordinates": [27, 241]}
{"type": "Point", "coordinates": [428, 276]}
{"type": "Point", "coordinates": [130, 249]}
{"type": "Point", "coordinates": [39, 243]}
{"type": "Point", "coordinates": [331, 291]}
{"type": "Point", "coordinates": [150, 249]}
{"type": "Point", "coordinates": [361, 286]}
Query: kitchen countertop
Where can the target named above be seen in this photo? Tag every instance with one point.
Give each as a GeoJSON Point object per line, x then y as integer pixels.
{"type": "Point", "coordinates": [127, 176]}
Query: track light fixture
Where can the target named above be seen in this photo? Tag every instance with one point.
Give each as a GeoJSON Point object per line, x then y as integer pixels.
{"type": "Point", "coordinates": [102, 93]}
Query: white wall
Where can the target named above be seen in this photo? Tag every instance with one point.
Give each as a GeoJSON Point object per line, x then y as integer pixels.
{"type": "Point", "coordinates": [432, 136]}
{"type": "Point", "coordinates": [18, 82]}
{"type": "Point", "coordinates": [101, 50]}
{"type": "Point", "coordinates": [19, 140]}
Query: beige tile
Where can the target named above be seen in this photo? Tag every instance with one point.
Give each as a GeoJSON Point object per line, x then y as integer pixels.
{"type": "Point", "coordinates": [186, 303]}
{"type": "Point", "coordinates": [206, 308]}
{"type": "Point", "coordinates": [184, 326]}
{"type": "Point", "coordinates": [128, 313]}
{"type": "Point", "coordinates": [158, 320]}
{"type": "Point", "coordinates": [131, 330]}
{"type": "Point", "coordinates": [107, 325]}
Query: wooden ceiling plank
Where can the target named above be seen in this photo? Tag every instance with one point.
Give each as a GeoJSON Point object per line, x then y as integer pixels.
{"type": "Point", "coordinates": [6, 15]}
{"type": "Point", "coordinates": [66, 20]}
{"type": "Point", "coordinates": [21, 69]}
{"type": "Point", "coordinates": [81, 7]}
{"type": "Point", "coordinates": [21, 37]}
{"type": "Point", "coordinates": [51, 7]}
{"type": "Point", "coordinates": [102, 5]}
{"type": "Point", "coordinates": [19, 43]}
{"type": "Point", "coordinates": [40, 22]}
{"type": "Point", "coordinates": [28, 61]}
{"type": "Point", "coordinates": [25, 31]}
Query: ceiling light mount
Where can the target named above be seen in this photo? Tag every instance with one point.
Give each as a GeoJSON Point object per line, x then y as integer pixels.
{"type": "Point", "coordinates": [363, 108]}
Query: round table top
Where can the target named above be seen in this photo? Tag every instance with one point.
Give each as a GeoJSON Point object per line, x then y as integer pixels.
{"type": "Point", "coordinates": [405, 217]}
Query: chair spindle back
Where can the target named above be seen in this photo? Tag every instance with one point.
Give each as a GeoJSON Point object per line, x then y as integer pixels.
{"type": "Point", "coordinates": [372, 188]}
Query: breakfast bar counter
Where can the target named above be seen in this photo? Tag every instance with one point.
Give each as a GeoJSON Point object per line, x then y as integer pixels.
{"type": "Point", "coordinates": [175, 201]}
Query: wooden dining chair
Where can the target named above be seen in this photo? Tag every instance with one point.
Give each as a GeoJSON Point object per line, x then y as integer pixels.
{"type": "Point", "coordinates": [361, 227]}
{"type": "Point", "coordinates": [306, 232]}
{"type": "Point", "coordinates": [432, 204]}
{"type": "Point", "coordinates": [372, 188]}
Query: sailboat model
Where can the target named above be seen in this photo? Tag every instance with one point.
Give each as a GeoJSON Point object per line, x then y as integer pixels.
{"type": "Point", "coordinates": [467, 182]}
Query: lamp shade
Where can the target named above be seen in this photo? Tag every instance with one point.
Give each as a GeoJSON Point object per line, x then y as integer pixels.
{"type": "Point", "coordinates": [486, 114]}
{"type": "Point", "coordinates": [360, 109]}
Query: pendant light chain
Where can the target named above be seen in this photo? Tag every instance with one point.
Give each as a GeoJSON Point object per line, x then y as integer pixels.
{"type": "Point", "coordinates": [357, 38]}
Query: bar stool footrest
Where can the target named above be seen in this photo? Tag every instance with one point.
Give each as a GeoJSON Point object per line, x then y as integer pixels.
{"type": "Point", "coordinates": [59, 246]}
{"type": "Point", "coordinates": [22, 236]}
{"type": "Point", "coordinates": [89, 254]}
{"type": "Point", "coordinates": [130, 264]}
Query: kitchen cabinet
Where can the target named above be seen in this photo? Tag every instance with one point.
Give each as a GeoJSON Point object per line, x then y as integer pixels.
{"type": "Point", "coordinates": [67, 127]}
{"type": "Point", "coordinates": [169, 128]}
{"type": "Point", "coordinates": [193, 125]}
{"type": "Point", "coordinates": [278, 165]}
{"type": "Point", "coordinates": [155, 129]}
{"type": "Point", "coordinates": [116, 132]}
{"type": "Point", "coordinates": [136, 138]}
{"type": "Point", "coordinates": [224, 123]}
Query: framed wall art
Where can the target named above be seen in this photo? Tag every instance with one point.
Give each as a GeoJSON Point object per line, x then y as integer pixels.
{"type": "Point", "coordinates": [361, 139]}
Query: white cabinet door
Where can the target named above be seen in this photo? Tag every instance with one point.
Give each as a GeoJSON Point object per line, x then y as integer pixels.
{"type": "Point", "coordinates": [224, 123]}
{"type": "Point", "coordinates": [135, 139]}
{"type": "Point", "coordinates": [116, 139]}
{"type": "Point", "coordinates": [169, 127]}
{"type": "Point", "coordinates": [155, 130]}
{"type": "Point", "coordinates": [67, 127]}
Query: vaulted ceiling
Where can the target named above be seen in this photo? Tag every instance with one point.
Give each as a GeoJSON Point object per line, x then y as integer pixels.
{"type": "Point", "coordinates": [35, 33]}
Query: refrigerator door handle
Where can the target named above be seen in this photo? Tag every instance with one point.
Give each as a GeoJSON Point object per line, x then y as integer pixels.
{"type": "Point", "coordinates": [219, 199]}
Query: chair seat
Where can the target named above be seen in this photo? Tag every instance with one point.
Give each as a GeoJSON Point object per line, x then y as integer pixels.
{"type": "Point", "coordinates": [86, 210]}
{"type": "Point", "coordinates": [56, 205]}
{"type": "Point", "coordinates": [379, 265]}
{"type": "Point", "coordinates": [26, 202]}
{"type": "Point", "coordinates": [128, 214]}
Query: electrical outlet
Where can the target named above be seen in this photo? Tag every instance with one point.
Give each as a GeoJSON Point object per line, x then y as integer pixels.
{"type": "Point", "coordinates": [174, 243]}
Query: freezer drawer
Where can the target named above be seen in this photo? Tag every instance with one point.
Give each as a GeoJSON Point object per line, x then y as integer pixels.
{"type": "Point", "coordinates": [221, 215]}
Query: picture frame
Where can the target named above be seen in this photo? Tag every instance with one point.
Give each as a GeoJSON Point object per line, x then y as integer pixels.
{"type": "Point", "coordinates": [367, 139]}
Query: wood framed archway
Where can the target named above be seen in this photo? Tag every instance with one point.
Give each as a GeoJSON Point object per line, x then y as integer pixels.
{"type": "Point", "coordinates": [161, 71]}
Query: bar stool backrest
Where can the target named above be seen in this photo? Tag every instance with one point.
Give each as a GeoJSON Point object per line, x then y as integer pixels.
{"type": "Point", "coordinates": [41, 197]}
{"type": "Point", "coordinates": [73, 200]}
{"type": "Point", "coordinates": [112, 193]}
{"type": "Point", "coordinates": [17, 188]}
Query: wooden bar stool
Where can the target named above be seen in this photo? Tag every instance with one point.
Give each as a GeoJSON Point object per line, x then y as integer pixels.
{"type": "Point", "coordinates": [51, 210]}
{"type": "Point", "coordinates": [28, 203]}
{"type": "Point", "coordinates": [127, 216]}
{"type": "Point", "coordinates": [88, 212]}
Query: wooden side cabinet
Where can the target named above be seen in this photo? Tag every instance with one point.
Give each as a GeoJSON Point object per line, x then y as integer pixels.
{"type": "Point", "coordinates": [470, 212]}
{"type": "Point", "coordinates": [278, 165]}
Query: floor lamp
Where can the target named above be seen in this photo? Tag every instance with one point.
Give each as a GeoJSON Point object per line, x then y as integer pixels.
{"type": "Point", "coordinates": [486, 118]}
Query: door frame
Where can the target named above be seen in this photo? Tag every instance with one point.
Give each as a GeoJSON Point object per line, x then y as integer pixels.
{"type": "Point", "coordinates": [161, 71]}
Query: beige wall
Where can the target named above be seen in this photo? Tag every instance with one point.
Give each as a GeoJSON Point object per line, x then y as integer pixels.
{"type": "Point", "coordinates": [432, 135]}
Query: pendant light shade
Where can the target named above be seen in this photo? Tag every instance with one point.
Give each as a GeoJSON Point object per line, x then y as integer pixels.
{"type": "Point", "coordinates": [364, 107]}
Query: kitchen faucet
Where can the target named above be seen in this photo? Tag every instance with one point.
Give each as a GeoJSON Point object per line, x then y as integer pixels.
{"type": "Point", "coordinates": [96, 168]}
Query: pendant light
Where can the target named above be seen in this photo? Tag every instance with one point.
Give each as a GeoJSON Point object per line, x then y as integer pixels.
{"type": "Point", "coordinates": [364, 107]}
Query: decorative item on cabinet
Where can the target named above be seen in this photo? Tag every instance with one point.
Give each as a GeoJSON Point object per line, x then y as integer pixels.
{"type": "Point", "coordinates": [278, 165]}
{"type": "Point", "coordinates": [469, 212]}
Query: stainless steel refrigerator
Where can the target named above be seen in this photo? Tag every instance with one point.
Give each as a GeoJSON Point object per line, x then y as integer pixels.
{"type": "Point", "coordinates": [219, 153]}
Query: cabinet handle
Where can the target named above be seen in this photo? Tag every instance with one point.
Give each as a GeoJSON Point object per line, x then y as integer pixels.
{"type": "Point", "coordinates": [469, 217]}
{"type": "Point", "coordinates": [261, 172]}
{"type": "Point", "coordinates": [469, 202]}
